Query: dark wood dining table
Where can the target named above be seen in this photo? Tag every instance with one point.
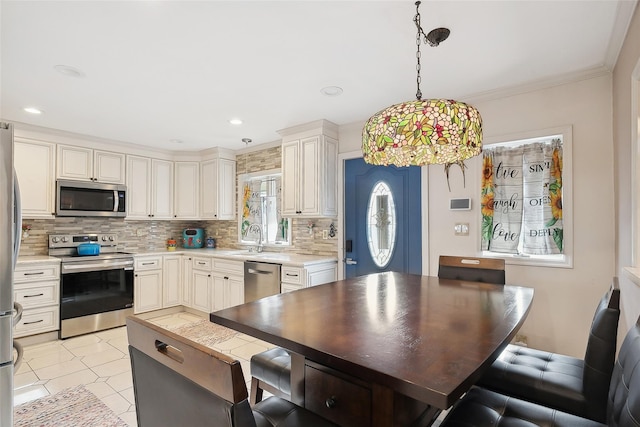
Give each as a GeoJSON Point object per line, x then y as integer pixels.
{"type": "Point", "coordinates": [387, 349]}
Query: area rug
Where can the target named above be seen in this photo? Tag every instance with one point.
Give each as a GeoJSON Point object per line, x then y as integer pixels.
{"type": "Point", "coordinates": [75, 406]}
{"type": "Point", "coordinates": [204, 332]}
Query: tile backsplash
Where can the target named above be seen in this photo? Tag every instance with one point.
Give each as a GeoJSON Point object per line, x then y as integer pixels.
{"type": "Point", "coordinates": [152, 235]}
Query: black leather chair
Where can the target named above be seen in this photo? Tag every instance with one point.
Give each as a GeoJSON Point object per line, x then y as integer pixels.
{"type": "Point", "coordinates": [271, 371]}
{"type": "Point", "coordinates": [481, 407]}
{"type": "Point", "coordinates": [178, 382]}
{"type": "Point", "coordinates": [569, 384]}
{"type": "Point", "coordinates": [488, 270]}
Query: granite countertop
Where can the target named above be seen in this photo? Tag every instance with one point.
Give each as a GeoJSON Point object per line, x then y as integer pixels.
{"type": "Point", "coordinates": [34, 259]}
{"type": "Point", "coordinates": [284, 258]}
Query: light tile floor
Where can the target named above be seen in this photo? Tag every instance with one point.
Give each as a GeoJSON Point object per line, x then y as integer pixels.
{"type": "Point", "coordinates": [100, 361]}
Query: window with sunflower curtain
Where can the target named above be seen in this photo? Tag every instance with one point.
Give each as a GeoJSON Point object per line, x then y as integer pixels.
{"type": "Point", "coordinates": [259, 210]}
{"type": "Point", "coordinates": [521, 198]}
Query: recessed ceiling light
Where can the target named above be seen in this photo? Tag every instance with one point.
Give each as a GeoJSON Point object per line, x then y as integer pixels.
{"type": "Point", "coordinates": [235, 121]}
{"type": "Point", "coordinates": [331, 91]}
{"type": "Point", "coordinates": [69, 71]}
{"type": "Point", "coordinates": [32, 110]}
{"type": "Point", "coordinates": [176, 141]}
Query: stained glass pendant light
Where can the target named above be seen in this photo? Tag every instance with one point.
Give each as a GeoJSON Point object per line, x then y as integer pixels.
{"type": "Point", "coordinates": [425, 131]}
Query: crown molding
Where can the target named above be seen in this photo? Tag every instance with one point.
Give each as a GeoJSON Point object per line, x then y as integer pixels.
{"type": "Point", "coordinates": [624, 15]}
{"type": "Point", "coordinates": [536, 85]}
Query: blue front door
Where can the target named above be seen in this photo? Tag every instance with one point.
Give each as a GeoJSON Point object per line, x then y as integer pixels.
{"type": "Point", "coordinates": [382, 219]}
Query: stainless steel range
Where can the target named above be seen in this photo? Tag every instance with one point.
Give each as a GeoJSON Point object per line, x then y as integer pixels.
{"type": "Point", "coordinates": [96, 291]}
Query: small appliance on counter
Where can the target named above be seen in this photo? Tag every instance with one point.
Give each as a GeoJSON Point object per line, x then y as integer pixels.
{"type": "Point", "coordinates": [193, 238]}
{"type": "Point", "coordinates": [88, 249]}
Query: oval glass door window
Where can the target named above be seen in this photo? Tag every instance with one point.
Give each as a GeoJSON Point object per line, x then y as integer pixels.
{"type": "Point", "coordinates": [381, 224]}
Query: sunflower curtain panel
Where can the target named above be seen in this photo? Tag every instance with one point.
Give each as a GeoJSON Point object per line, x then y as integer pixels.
{"type": "Point", "coordinates": [522, 199]}
{"type": "Point", "coordinates": [261, 215]}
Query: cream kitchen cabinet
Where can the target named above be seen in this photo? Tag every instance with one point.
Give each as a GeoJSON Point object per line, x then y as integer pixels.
{"type": "Point", "coordinates": [201, 284]}
{"type": "Point", "coordinates": [37, 289]}
{"type": "Point", "coordinates": [218, 189]}
{"type": "Point", "coordinates": [309, 177]}
{"type": "Point", "coordinates": [187, 280]}
{"type": "Point", "coordinates": [147, 284]}
{"type": "Point", "coordinates": [186, 190]}
{"type": "Point", "coordinates": [296, 277]}
{"type": "Point", "coordinates": [228, 283]}
{"type": "Point", "coordinates": [34, 162]}
{"type": "Point", "coordinates": [149, 188]}
{"type": "Point", "coordinates": [85, 164]}
{"type": "Point", "coordinates": [171, 280]}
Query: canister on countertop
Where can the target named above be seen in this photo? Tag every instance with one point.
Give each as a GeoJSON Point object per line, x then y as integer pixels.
{"type": "Point", "coordinates": [211, 242]}
{"type": "Point", "coordinates": [171, 244]}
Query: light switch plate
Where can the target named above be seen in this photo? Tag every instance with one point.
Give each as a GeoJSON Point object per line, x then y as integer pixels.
{"type": "Point", "coordinates": [462, 229]}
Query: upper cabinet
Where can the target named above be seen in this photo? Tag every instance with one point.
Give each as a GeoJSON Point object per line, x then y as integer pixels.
{"type": "Point", "coordinates": [186, 190]}
{"type": "Point", "coordinates": [85, 164]}
{"type": "Point", "coordinates": [149, 188]}
{"type": "Point", "coordinates": [34, 162]}
{"type": "Point", "coordinates": [218, 188]}
{"type": "Point", "coordinates": [309, 170]}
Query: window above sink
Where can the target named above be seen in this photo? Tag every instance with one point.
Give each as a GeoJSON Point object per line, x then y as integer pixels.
{"type": "Point", "coordinates": [260, 222]}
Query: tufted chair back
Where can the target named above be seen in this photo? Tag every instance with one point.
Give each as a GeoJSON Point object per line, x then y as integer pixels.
{"type": "Point", "coordinates": [601, 351]}
{"type": "Point", "coordinates": [623, 409]}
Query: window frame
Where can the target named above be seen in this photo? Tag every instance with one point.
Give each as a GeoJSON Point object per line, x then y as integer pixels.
{"type": "Point", "coordinates": [560, 261]}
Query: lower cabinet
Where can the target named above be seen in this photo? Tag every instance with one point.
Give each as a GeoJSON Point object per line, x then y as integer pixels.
{"type": "Point", "coordinates": [216, 283]}
{"type": "Point", "coordinates": [228, 283]}
{"type": "Point", "coordinates": [201, 285]}
{"type": "Point", "coordinates": [187, 280]}
{"type": "Point", "coordinates": [294, 278]}
{"type": "Point", "coordinates": [227, 291]}
{"type": "Point", "coordinates": [171, 280]}
{"type": "Point", "coordinates": [37, 289]}
{"type": "Point", "coordinates": [147, 284]}
{"type": "Point", "coordinates": [147, 291]}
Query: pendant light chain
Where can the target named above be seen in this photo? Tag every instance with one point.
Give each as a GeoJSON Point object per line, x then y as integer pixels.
{"type": "Point", "coordinates": [416, 19]}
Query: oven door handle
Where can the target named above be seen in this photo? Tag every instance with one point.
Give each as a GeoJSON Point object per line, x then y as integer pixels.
{"type": "Point", "coordinates": [116, 200]}
{"type": "Point", "coordinates": [83, 267]}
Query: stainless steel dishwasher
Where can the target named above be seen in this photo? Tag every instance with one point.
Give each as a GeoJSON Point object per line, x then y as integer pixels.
{"type": "Point", "coordinates": [261, 280]}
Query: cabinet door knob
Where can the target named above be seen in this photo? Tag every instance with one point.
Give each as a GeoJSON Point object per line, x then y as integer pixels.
{"type": "Point", "coordinates": [331, 402]}
{"type": "Point", "coordinates": [209, 275]}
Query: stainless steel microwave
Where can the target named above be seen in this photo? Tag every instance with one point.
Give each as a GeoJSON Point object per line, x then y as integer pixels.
{"type": "Point", "coordinates": [79, 198]}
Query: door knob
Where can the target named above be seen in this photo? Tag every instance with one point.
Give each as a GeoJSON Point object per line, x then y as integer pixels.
{"type": "Point", "coordinates": [350, 261]}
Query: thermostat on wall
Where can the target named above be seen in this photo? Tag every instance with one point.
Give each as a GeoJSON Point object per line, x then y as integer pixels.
{"type": "Point", "coordinates": [460, 204]}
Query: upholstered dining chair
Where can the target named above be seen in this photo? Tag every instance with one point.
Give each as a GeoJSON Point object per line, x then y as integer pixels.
{"type": "Point", "coordinates": [488, 270]}
{"type": "Point", "coordinates": [569, 384]}
{"type": "Point", "coordinates": [178, 382]}
{"type": "Point", "coordinates": [483, 408]}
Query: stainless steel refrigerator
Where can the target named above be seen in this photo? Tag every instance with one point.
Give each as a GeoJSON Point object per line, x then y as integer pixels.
{"type": "Point", "coordinates": [10, 233]}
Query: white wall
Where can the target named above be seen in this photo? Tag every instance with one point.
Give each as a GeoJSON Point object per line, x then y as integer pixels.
{"type": "Point", "coordinates": [625, 150]}
{"type": "Point", "coordinates": [565, 299]}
